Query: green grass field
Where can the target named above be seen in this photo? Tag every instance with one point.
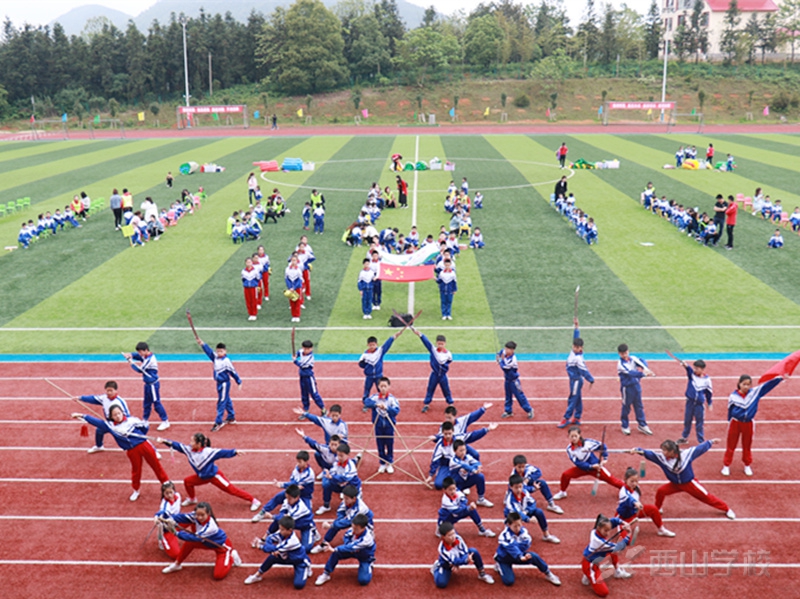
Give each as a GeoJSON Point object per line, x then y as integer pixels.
{"type": "Point", "coordinates": [87, 291]}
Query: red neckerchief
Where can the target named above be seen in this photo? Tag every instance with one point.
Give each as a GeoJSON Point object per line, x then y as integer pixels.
{"type": "Point", "coordinates": [519, 497]}
{"type": "Point", "coordinates": [445, 442]}
{"type": "Point", "coordinates": [742, 394]}
{"type": "Point", "coordinates": [453, 497]}
{"type": "Point", "coordinates": [449, 547]}
{"type": "Point", "coordinates": [441, 350]}
{"type": "Point", "coordinates": [249, 268]}
{"type": "Point", "coordinates": [384, 397]}
{"type": "Point", "coordinates": [342, 464]}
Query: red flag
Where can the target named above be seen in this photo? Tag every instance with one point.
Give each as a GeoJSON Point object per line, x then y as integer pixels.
{"type": "Point", "coordinates": [405, 274]}
{"type": "Point", "coordinates": [33, 119]}
{"type": "Point", "coordinates": [783, 368]}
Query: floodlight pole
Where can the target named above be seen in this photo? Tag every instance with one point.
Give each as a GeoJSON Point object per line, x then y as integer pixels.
{"type": "Point", "coordinates": [664, 77]}
{"type": "Point", "coordinates": [185, 60]}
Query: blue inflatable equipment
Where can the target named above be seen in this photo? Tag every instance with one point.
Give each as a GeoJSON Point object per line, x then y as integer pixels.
{"type": "Point", "coordinates": [292, 164]}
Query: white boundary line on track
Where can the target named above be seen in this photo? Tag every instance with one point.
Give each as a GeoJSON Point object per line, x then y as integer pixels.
{"type": "Point", "coordinates": [273, 379]}
{"type": "Point", "coordinates": [296, 423]}
{"type": "Point", "coordinates": [259, 329]}
{"type": "Point", "coordinates": [358, 400]}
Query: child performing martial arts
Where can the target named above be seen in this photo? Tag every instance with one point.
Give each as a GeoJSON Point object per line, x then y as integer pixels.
{"type": "Point", "coordinates": [170, 506]}
{"type": "Point", "coordinates": [582, 452]}
{"type": "Point", "coordinates": [284, 548]}
{"type": "Point", "coordinates": [513, 548]}
{"type": "Point", "coordinates": [352, 505]}
{"type": "Point", "coordinates": [223, 371]}
{"type": "Point", "coordinates": [631, 370]}
{"type": "Point", "coordinates": [518, 499]}
{"type": "Point", "coordinates": [441, 359]}
{"type": "Point", "coordinates": [600, 546]}
{"type": "Point", "coordinates": [453, 554]}
{"type": "Point", "coordinates": [301, 514]}
{"type": "Point", "coordinates": [302, 476]}
{"type": "Point", "coordinates": [508, 363]}
{"type": "Point", "coordinates": [577, 372]}
{"type": "Point", "coordinates": [455, 507]}
{"type": "Point", "coordinates": [371, 362]}
{"type": "Point", "coordinates": [343, 472]}
{"type": "Point", "coordinates": [533, 481]}
{"type": "Point", "coordinates": [105, 401]}
{"type": "Point", "coordinates": [699, 393]}
{"type": "Point", "coordinates": [630, 506]}
{"type": "Point", "coordinates": [144, 362]}
{"type": "Point", "coordinates": [359, 544]}
{"type": "Point", "coordinates": [304, 360]}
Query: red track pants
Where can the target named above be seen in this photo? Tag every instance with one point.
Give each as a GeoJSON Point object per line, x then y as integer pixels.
{"type": "Point", "coordinates": [144, 451]}
{"type": "Point", "coordinates": [693, 488]}
{"type": "Point", "coordinates": [576, 472]}
{"type": "Point", "coordinates": [223, 563]}
{"type": "Point", "coordinates": [735, 430]}
{"type": "Point", "coordinates": [264, 287]}
{"type": "Point", "coordinates": [307, 283]}
{"type": "Point", "coordinates": [592, 572]}
{"type": "Point", "coordinates": [250, 301]}
{"type": "Point", "coordinates": [648, 511]}
{"type": "Point", "coordinates": [171, 546]}
{"type": "Point", "coordinates": [295, 306]}
{"type": "Point", "coordinates": [219, 481]}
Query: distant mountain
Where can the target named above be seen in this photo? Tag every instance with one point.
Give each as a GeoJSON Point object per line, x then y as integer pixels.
{"type": "Point", "coordinates": [74, 21]}
{"type": "Point", "coordinates": [240, 10]}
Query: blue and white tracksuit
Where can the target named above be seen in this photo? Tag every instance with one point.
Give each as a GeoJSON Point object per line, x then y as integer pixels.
{"type": "Point", "coordinates": [303, 518]}
{"type": "Point", "coordinates": [384, 421]}
{"type": "Point", "coordinates": [460, 429]}
{"type": "Point", "coordinates": [328, 426]}
{"type": "Point", "coordinates": [287, 551]}
{"type": "Point", "coordinates": [344, 518]}
{"type": "Point", "coordinates": [448, 286]}
{"type": "Point", "coordinates": [366, 285]}
{"type": "Point", "coordinates": [323, 454]}
{"type": "Point", "coordinates": [148, 368]}
{"type": "Point", "coordinates": [440, 364]}
{"type": "Point", "coordinates": [341, 474]}
{"type": "Point", "coordinates": [372, 364]}
{"type": "Point", "coordinates": [455, 555]}
{"type": "Point", "coordinates": [303, 479]}
{"type": "Point", "coordinates": [577, 372]}
{"type": "Point", "coordinates": [532, 478]}
{"type": "Point", "coordinates": [512, 385]}
{"type": "Point", "coordinates": [465, 473]}
{"type": "Point", "coordinates": [525, 506]}
{"type": "Point", "coordinates": [360, 547]}
{"type": "Point", "coordinates": [308, 382]}
{"type": "Point", "coordinates": [699, 392]}
{"type": "Point", "coordinates": [223, 371]}
{"type": "Point", "coordinates": [457, 508]}
{"type": "Point", "coordinates": [511, 548]}
{"type": "Point", "coordinates": [105, 402]}
{"type": "Point", "coordinates": [443, 451]}
{"type": "Point", "coordinates": [631, 389]}
{"type": "Point", "coordinates": [202, 532]}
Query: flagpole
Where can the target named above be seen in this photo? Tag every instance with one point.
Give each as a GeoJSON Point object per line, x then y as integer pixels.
{"type": "Point", "coordinates": [412, 286]}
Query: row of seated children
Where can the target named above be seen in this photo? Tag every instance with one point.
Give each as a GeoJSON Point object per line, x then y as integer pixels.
{"type": "Point", "coordinates": [244, 227]}
{"type": "Point", "coordinates": [687, 220]}
{"type": "Point", "coordinates": [763, 207]}
{"type": "Point", "coordinates": [583, 224]}
{"type": "Point", "coordinates": [457, 202]}
{"type": "Point", "coordinates": [383, 198]}
{"type": "Point", "coordinates": [47, 224]}
{"type": "Point", "coordinates": [363, 230]}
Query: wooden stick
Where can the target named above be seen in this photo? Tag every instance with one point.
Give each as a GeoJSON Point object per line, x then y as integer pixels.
{"type": "Point", "coordinates": [577, 290]}
{"type": "Point", "coordinates": [78, 401]}
{"type": "Point", "coordinates": [191, 324]}
{"type": "Point", "coordinates": [413, 459]}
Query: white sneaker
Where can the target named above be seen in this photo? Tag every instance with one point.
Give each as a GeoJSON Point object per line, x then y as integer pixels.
{"type": "Point", "coordinates": [551, 539]}
{"type": "Point", "coordinates": [559, 495]}
{"type": "Point", "coordinates": [553, 578]}
{"type": "Point", "coordinates": [376, 307]}
{"type": "Point", "coordinates": [317, 549]}
{"type": "Point", "coordinates": [255, 505]}
{"type": "Point", "coordinates": [389, 469]}
{"type": "Point", "coordinates": [731, 515]}
{"type": "Point", "coordinates": [748, 471]}
{"type": "Point", "coordinates": [134, 496]}
{"type": "Point", "coordinates": [483, 502]}
{"type": "Point", "coordinates": [322, 510]}
{"type": "Point", "coordinates": [467, 491]}
{"type": "Point", "coordinates": [163, 426]}
{"type": "Point", "coordinates": [663, 532]}
{"type": "Point", "coordinates": [488, 533]}
{"type": "Point", "coordinates": [253, 578]}
{"type": "Point", "coordinates": [552, 507]}
{"type": "Point", "coordinates": [258, 517]}
{"type": "Point", "coordinates": [485, 577]}
{"type": "Point", "coordinates": [645, 430]}
{"type": "Point", "coordinates": [158, 454]}
{"type": "Point", "coordinates": [367, 316]}
{"type": "Point", "coordinates": [188, 501]}
{"type": "Point", "coordinates": [237, 560]}
{"type": "Point", "coordinates": [322, 579]}
{"type": "Point", "coordinates": [726, 471]}
{"type": "Point", "coordinates": [622, 573]}
{"type": "Point", "coordinates": [626, 431]}
{"type": "Point", "coordinates": [319, 476]}
{"type": "Point", "coordinates": [381, 468]}
{"type": "Point", "coordinates": [173, 567]}
{"type": "Point", "coordinates": [95, 449]}
{"type": "Point", "coordinates": [585, 580]}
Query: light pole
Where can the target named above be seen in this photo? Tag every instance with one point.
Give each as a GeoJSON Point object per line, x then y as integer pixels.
{"type": "Point", "coordinates": [185, 59]}
{"type": "Point", "coordinates": [663, 77]}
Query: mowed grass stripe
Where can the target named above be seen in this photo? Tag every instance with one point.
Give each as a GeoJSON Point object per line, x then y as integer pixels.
{"type": "Point", "coordinates": [782, 138]}
{"type": "Point", "coordinates": [782, 145]}
{"type": "Point", "coordinates": [719, 292]}
{"type": "Point", "coordinates": [50, 154]}
{"type": "Point", "coordinates": [543, 261]}
{"type": "Point", "coordinates": [219, 301]}
{"type": "Point", "coordinates": [10, 151]}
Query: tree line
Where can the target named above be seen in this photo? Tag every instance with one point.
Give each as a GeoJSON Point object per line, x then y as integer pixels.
{"type": "Point", "coordinates": [307, 48]}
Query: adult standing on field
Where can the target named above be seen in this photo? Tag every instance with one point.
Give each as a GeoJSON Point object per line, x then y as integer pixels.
{"type": "Point", "coordinates": [115, 203]}
{"type": "Point", "coordinates": [561, 188]}
{"type": "Point", "coordinates": [730, 221]}
{"type": "Point", "coordinates": [275, 121]}
{"type": "Point", "coordinates": [252, 186]}
{"type": "Point", "coordinates": [402, 192]}
{"type": "Point", "coordinates": [720, 206]}
{"type": "Point", "coordinates": [561, 154]}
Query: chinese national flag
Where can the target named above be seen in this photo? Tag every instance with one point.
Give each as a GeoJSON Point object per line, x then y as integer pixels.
{"type": "Point", "coordinates": [405, 274]}
{"type": "Point", "coordinates": [783, 368]}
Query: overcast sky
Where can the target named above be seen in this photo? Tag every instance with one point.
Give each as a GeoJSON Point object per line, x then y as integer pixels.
{"type": "Point", "coordinates": [40, 12]}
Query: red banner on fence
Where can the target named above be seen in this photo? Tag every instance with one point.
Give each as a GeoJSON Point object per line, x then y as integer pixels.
{"type": "Point", "coordinates": [641, 105]}
{"type": "Point", "coordinates": [210, 109]}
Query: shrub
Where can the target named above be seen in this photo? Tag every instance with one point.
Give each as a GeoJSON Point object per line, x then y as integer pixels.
{"type": "Point", "coordinates": [522, 101]}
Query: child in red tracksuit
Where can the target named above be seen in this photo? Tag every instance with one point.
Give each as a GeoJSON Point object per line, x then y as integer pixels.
{"type": "Point", "coordinates": [201, 458]}
{"type": "Point", "coordinates": [630, 504]}
{"type": "Point", "coordinates": [170, 506]}
{"type": "Point", "coordinates": [582, 453]}
{"type": "Point", "coordinates": [251, 281]}
{"type": "Point", "coordinates": [601, 546]}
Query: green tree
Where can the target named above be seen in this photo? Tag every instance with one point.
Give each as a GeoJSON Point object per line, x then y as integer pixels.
{"type": "Point", "coordinates": [699, 32]}
{"type": "Point", "coordinates": [789, 20]}
{"type": "Point", "coordinates": [608, 35]}
{"type": "Point", "coordinates": [729, 39]}
{"type": "Point", "coordinates": [425, 49]}
{"type": "Point", "coordinates": [652, 31]}
{"type": "Point", "coordinates": [483, 41]}
{"type": "Point", "coordinates": [750, 37]}
{"type": "Point", "coordinates": [682, 42]}
{"type": "Point", "coordinates": [768, 38]}
{"type": "Point", "coordinates": [365, 47]}
{"type": "Point", "coordinates": [587, 37]}
{"type": "Point", "coordinates": [391, 25]}
{"type": "Point", "coordinates": [430, 17]}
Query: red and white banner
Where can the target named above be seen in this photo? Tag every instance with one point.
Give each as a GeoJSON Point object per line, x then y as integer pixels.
{"type": "Point", "coordinates": [784, 368]}
{"type": "Point", "coordinates": [405, 274]}
{"type": "Point", "coordinates": [641, 105]}
{"type": "Point", "coordinates": [210, 109]}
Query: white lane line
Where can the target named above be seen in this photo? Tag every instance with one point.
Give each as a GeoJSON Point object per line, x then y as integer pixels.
{"type": "Point", "coordinates": [354, 399]}
{"type": "Point", "coordinates": [432, 425]}
{"type": "Point", "coordinates": [261, 329]}
{"type": "Point", "coordinates": [360, 379]}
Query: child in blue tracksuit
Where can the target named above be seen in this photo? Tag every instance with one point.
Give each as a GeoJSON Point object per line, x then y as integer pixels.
{"type": "Point", "coordinates": [300, 511]}
{"type": "Point", "coordinates": [359, 544]}
{"type": "Point", "coordinates": [332, 424]}
{"type": "Point", "coordinates": [454, 553]}
{"type": "Point", "coordinates": [441, 359]}
{"type": "Point", "coordinates": [631, 370]}
{"type": "Point", "coordinates": [518, 499]}
{"type": "Point", "coordinates": [461, 424]}
{"type": "Point", "coordinates": [371, 362]}
{"type": "Point", "coordinates": [343, 472]}
{"type": "Point", "coordinates": [776, 241]}
{"type": "Point", "coordinates": [223, 371]}
{"type": "Point", "coordinates": [508, 363]}
{"type": "Point", "coordinates": [304, 360]}
{"type": "Point", "coordinates": [351, 506]}
{"type": "Point", "coordinates": [699, 392]}
{"type": "Point", "coordinates": [448, 286]}
{"type": "Point", "coordinates": [144, 362]}
{"type": "Point", "coordinates": [319, 220]}
{"type": "Point", "coordinates": [306, 215]}
{"type": "Point", "coordinates": [302, 476]}
{"type": "Point", "coordinates": [366, 283]}
{"type": "Point", "coordinates": [513, 547]}
{"type": "Point", "coordinates": [105, 401]}
{"type": "Point", "coordinates": [468, 472]}
{"type": "Point", "coordinates": [324, 453]}
{"type": "Point", "coordinates": [385, 409]}
{"type": "Point", "coordinates": [577, 372]}
{"type": "Point", "coordinates": [444, 450]}
{"type": "Point", "coordinates": [283, 547]}
{"type": "Point", "coordinates": [533, 481]}
{"type": "Point", "coordinates": [24, 236]}
{"type": "Point", "coordinates": [455, 507]}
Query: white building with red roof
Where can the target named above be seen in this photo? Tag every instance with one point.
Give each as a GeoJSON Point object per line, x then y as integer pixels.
{"type": "Point", "coordinates": [675, 12]}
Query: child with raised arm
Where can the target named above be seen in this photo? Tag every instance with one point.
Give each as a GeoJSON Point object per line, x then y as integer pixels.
{"type": "Point", "coordinates": [577, 372]}
{"type": "Point", "coordinates": [304, 360]}
{"type": "Point", "coordinates": [508, 364]}
{"type": "Point", "coordinates": [453, 554]}
{"type": "Point", "coordinates": [444, 450]}
{"type": "Point", "coordinates": [299, 510]}
{"type": "Point", "coordinates": [105, 401]}
{"type": "Point", "coordinates": [170, 506]}
{"type": "Point", "coordinates": [202, 460]}
{"type": "Point", "coordinates": [343, 472]}
{"type": "Point", "coordinates": [441, 359]}
{"type": "Point", "coordinates": [359, 544]}
{"type": "Point", "coordinates": [631, 370]}
{"type": "Point", "coordinates": [513, 548]}
{"type": "Point", "coordinates": [461, 424]}
{"type": "Point", "coordinates": [284, 548]}
{"type": "Point", "coordinates": [332, 424]}
{"type": "Point", "coordinates": [519, 499]}
{"type": "Point", "coordinates": [601, 545]}
{"type": "Point", "coordinates": [302, 476]}
{"type": "Point", "coordinates": [630, 506]}
{"type": "Point", "coordinates": [145, 363]}
{"type": "Point", "coordinates": [699, 392]}
{"type": "Point", "coordinates": [533, 481]}
{"type": "Point", "coordinates": [582, 452]}
{"type": "Point", "coordinates": [223, 372]}
{"type": "Point", "coordinates": [371, 362]}
{"type": "Point", "coordinates": [324, 454]}
{"type": "Point", "coordinates": [385, 409]}
{"type": "Point", "coordinates": [352, 505]}
{"type": "Point", "coordinates": [455, 507]}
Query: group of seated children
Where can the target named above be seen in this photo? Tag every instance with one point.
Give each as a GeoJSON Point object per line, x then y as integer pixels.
{"type": "Point", "coordinates": [47, 224]}
{"type": "Point", "coordinates": [584, 225]}
{"type": "Point", "coordinates": [247, 224]}
{"type": "Point", "coordinates": [701, 226]}
{"type": "Point", "coordinates": [364, 230]}
{"type": "Point", "coordinates": [458, 203]}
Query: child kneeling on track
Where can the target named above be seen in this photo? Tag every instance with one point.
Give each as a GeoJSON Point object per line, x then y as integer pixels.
{"type": "Point", "coordinates": [351, 506]}
{"type": "Point", "coordinates": [601, 546]}
{"type": "Point", "coordinates": [207, 535]}
{"type": "Point", "coordinates": [302, 476]}
{"type": "Point", "coordinates": [468, 472]}
{"type": "Point", "coordinates": [533, 481]}
{"type": "Point", "coordinates": [170, 506]}
{"type": "Point", "coordinates": [513, 548]}
{"type": "Point", "coordinates": [455, 507]}
{"type": "Point", "coordinates": [301, 514]}
{"type": "Point", "coordinates": [359, 544]}
{"type": "Point", "coordinates": [630, 506]}
{"type": "Point", "coordinates": [284, 548]}
{"type": "Point", "coordinates": [519, 500]}
{"type": "Point", "coordinates": [454, 553]}
{"type": "Point", "coordinates": [343, 472]}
